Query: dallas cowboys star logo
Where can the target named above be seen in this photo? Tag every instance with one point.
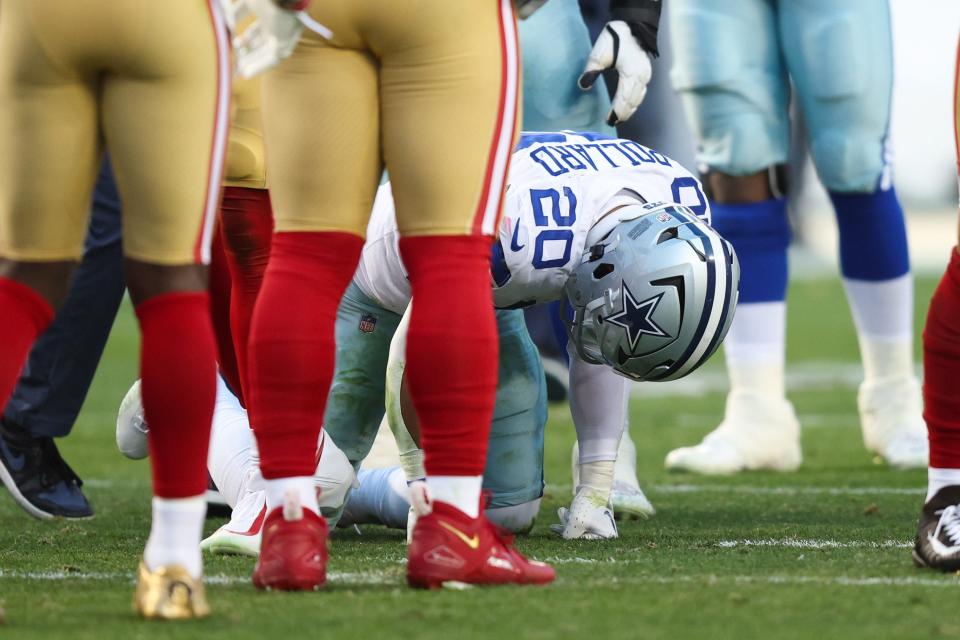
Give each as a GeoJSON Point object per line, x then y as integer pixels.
{"type": "Point", "coordinates": [637, 317]}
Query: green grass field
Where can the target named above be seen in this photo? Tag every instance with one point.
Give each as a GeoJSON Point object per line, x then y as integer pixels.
{"type": "Point", "coordinates": [821, 552]}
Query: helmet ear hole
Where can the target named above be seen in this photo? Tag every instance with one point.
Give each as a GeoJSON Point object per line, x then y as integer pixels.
{"type": "Point", "coordinates": [603, 270]}
{"type": "Point", "coordinates": [669, 234]}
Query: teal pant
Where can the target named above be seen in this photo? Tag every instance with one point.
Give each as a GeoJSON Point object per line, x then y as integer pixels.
{"type": "Point", "coordinates": [355, 408]}
{"type": "Point", "coordinates": [555, 44]}
{"type": "Point", "coordinates": [736, 65]}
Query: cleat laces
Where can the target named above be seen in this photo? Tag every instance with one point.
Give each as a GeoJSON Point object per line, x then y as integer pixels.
{"type": "Point", "coordinates": [949, 525]}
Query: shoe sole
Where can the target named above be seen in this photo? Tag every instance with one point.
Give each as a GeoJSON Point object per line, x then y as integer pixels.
{"type": "Point", "coordinates": [25, 504]}
{"type": "Point", "coordinates": [226, 548]}
{"type": "Point", "coordinates": [287, 585]}
{"type": "Point", "coordinates": [431, 584]}
{"type": "Point", "coordinates": [918, 561]}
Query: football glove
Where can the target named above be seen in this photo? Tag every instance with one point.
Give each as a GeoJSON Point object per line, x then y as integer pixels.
{"type": "Point", "coordinates": [618, 48]}
{"type": "Point", "coordinates": [273, 34]}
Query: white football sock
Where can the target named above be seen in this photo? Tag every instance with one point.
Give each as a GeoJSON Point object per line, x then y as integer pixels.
{"type": "Point", "coordinates": [303, 486]}
{"type": "Point", "coordinates": [597, 476]}
{"type": "Point", "coordinates": [755, 348]}
{"type": "Point", "coordinates": [939, 478]}
{"type": "Point", "coordinates": [463, 492]}
{"type": "Point", "coordinates": [231, 460]}
{"type": "Point", "coordinates": [884, 359]}
{"type": "Point", "coordinates": [883, 315]}
{"type": "Point", "coordinates": [175, 532]}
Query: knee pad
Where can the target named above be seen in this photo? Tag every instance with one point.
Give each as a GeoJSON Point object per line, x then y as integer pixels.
{"type": "Point", "coordinates": [850, 160]}
{"type": "Point", "coordinates": [518, 518]}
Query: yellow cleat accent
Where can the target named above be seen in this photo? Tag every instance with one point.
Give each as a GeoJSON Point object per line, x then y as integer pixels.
{"type": "Point", "coordinates": [169, 593]}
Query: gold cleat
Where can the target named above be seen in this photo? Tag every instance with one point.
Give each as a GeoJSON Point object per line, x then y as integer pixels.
{"type": "Point", "coordinates": [169, 593]}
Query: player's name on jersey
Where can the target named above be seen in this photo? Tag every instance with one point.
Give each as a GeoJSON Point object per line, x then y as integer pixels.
{"type": "Point", "coordinates": [557, 159]}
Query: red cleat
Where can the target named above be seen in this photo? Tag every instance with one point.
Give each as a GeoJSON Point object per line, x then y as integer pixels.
{"type": "Point", "coordinates": [293, 553]}
{"type": "Point", "coordinates": [449, 546]}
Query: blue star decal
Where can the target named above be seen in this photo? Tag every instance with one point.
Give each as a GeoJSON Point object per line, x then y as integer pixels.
{"type": "Point", "coordinates": [636, 317]}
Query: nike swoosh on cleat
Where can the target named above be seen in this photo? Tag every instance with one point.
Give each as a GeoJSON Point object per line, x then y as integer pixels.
{"type": "Point", "coordinates": [514, 243]}
{"type": "Point", "coordinates": [255, 527]}
{"type": "Point", "coordinates": [473, 543]}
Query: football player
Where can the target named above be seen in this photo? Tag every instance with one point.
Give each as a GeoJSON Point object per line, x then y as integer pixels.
{"type": "Point", "coordinates": [736, 65]}
{"type": "Point", "coordinates": [937, 544]}
{"type": "Point", "coordinates": [563, 89]}
{"type": "Point", "coordinates": [383, 86]}
{"type": "Point", "coordinates": [75, 78]}
{"type": "Point", "coordinates": [652, 288]}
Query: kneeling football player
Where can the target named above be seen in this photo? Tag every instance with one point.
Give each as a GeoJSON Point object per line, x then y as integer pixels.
{"type": "Point", "coordinates": [652, 287]}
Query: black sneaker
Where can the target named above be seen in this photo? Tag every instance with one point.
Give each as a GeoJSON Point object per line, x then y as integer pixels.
{"type": "Point", "coordinates": [937, 545]}
{"type": "Point", "coordinates": [38, 478]}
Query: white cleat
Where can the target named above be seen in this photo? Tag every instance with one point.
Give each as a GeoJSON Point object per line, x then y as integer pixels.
{"type": "Point", "coordinates": [588, 518]}
{"type": "Point", "coordinates": [241, 536]}
{"type": "Point", "coordinates": [757, 432]}
{"type": "Point", "coordinates": [626, 497]}
{"type": "Point", "coordinates": [891, 416]}
{"type": "Point", "coordinates": [131, 426]}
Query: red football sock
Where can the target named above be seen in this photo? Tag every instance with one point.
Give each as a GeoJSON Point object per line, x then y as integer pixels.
{"type": "Point", "coordinates": [246, 220]}
{"type": "Point", "coordinates": [292, 348]}
{"type": "Point", "coordinates": [24, 316]}
{"type": "Point", "coordinates": [178, 373]}
{"type": "Point", "coordinates": [941, 370]}
{"type": "Point", "coordinates": [220, 305]}
{"type": "Point", "coordinates": [452, 350]}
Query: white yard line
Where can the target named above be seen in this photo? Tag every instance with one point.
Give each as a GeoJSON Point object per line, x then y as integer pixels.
{"type": "Point", "coordinates": [834, 420]}
{"type": "Point", "coordinates": [807, 543]}
{"type": "Point", "coordinates": [382, 578]}
{"type": "Point", "coordinates": [845, 581]}
{"type": "Point", "coordinates": [814, 375]}
{"type": "Point", "coordinates": [788, 491]}
{"type": "Point", "coordinates": [335, 577]}
{"type": "Point", "coordinates": [755, 490]}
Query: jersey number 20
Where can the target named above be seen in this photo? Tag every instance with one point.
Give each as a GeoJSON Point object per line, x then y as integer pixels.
{"type": "Point", "coordinates": [564, 221]}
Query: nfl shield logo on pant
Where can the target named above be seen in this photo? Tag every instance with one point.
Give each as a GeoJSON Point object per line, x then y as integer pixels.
{"type": "Point", "coordinates": [368, 322]}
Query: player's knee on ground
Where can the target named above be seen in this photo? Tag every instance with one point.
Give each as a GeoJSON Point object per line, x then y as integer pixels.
{"type": "Point", "coordinates": [518, 518]}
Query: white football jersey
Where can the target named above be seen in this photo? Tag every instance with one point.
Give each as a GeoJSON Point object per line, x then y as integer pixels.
{"type": "Point", "coordinates": [559, 185]}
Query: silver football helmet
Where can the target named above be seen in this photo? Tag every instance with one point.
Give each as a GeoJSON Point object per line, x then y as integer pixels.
{"type": "Point", "coordinates": [654, 293]}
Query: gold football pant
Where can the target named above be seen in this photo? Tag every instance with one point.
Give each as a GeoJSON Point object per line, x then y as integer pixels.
{"type": "Point", "coordinates": [148, 80]}
{"type": "Point", "coordinates": [428, 88]}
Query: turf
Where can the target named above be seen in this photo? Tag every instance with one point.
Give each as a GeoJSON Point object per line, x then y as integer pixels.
{"type": "Point", "coordinates": [822, 551]}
